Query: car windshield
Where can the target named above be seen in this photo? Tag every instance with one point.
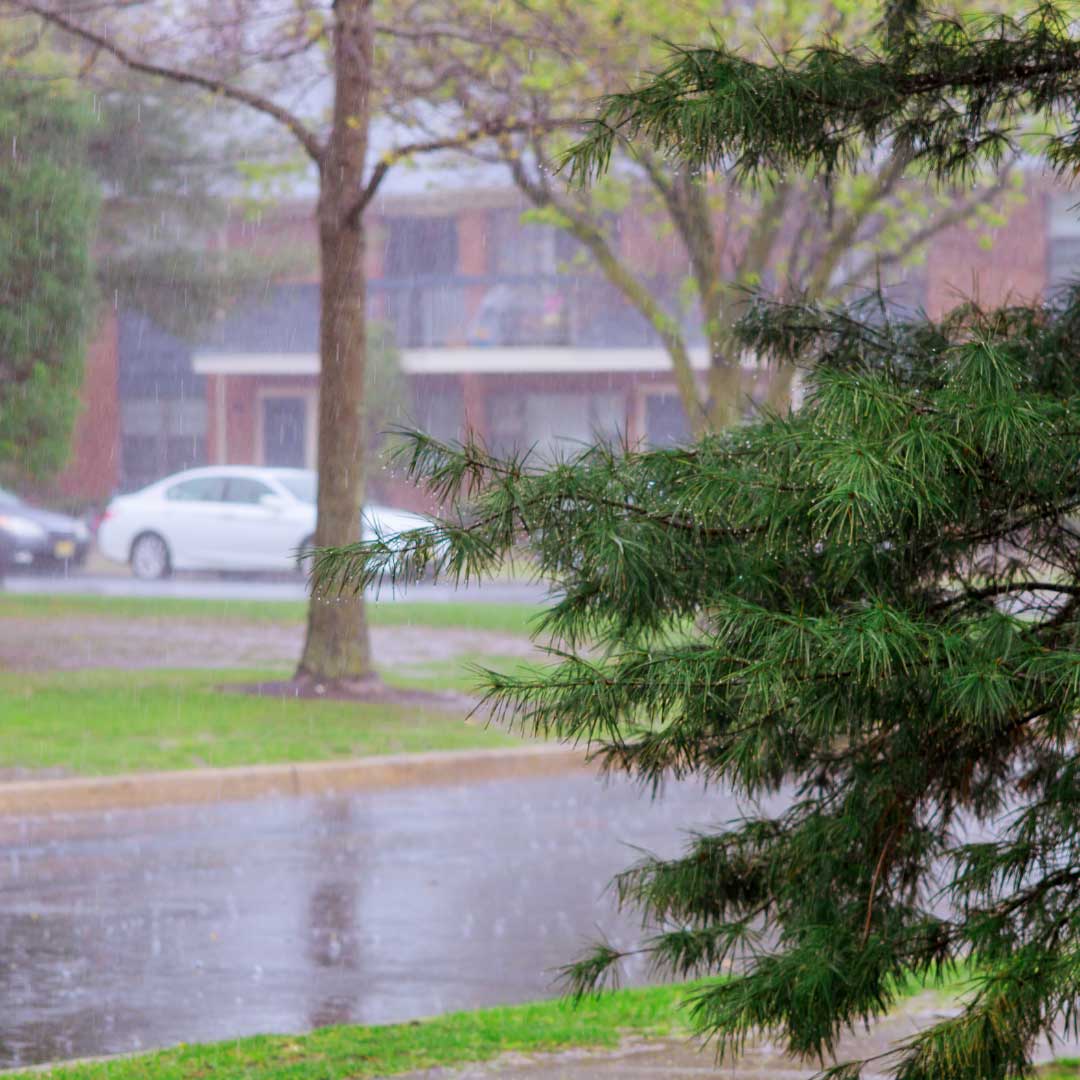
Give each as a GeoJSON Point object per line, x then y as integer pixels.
{"type": "Point", "coordinates": [299, 484]}
{"type": "Point", "coordinates": [8, 499]}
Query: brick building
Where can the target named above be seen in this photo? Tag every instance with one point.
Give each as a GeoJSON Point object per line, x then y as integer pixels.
{"type": "Point", "coordinates": [493, 331]}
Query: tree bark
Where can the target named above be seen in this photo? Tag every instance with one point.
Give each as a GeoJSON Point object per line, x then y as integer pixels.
{"type": "Point", "coordinates": [337, 648]}
{"type": "Point", "coordinates": [688, 204]}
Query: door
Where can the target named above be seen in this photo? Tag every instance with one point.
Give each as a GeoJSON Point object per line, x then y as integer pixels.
{"type": "Point", "coordinates": [284, 432]}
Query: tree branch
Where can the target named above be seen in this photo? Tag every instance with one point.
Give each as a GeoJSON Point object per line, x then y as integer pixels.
{"type": "Point", "coordinates": [842, 238]}
{"type": "Point", "coordinates": [951, 100]}
{"type": "Point", "coordinates": [491, 130]}
{"type": "Point", "coordinates": [954, 217]}
{"type": "Point", "coordinates": [303, 134]}
{"type": "Point", "coordinates": [588, 233]}
{"type": "Point", "coordinates": [971, 595]}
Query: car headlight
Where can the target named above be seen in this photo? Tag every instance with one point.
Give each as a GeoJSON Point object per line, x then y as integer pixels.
{"type": "Point", "coordinates": [81, 531]}
{"type": "Point", "coordinates": [21, 527]}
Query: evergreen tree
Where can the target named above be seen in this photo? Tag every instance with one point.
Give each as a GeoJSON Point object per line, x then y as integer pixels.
{"type": "Point", "coordinates": [870, 608]}
{"type": "Point", "coordinates": [168, 190]}
{"type": "Point", "coordinates": [48, 203]}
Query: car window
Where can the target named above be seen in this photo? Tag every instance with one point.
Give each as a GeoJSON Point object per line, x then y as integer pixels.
{"type": "Point", "coordinates": [199, 489]}
{"type": "Point", "coordinates": [242, 489]}
{"type": "Point", "coordinates": [301, 484]}
{"type": "Point", "coordinates": [8, 499]}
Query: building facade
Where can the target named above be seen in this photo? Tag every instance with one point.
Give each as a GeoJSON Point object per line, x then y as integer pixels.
{"type": "Point", "coordinates": [494, 333]}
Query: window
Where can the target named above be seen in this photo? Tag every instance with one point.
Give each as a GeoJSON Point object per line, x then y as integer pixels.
{"type": "Point", "coordinates": [425, 312]}
{"type": "Point", "coordinates": [665, 420]}
{"type": "Point", "coordinates": [426, 315]}
{"type": "Point", "coordinates": [199, 489]}
{"type": "Point", "coordinates": [521, 314]}
{"type": "Point", "coordinates": [1063, 242]}
{"type": "Point", "coordinates": [553, 423]}
{"type": "Point", "coordinates": [242, 489]}
{"type": "Point", "coordinates": [439, 407]}
{"type": "Point", "coordinates": [159, 437]}
{"type": "Point", "coordinates": [526, 247]}
{"type": "Point", "coordinates": [420, 245]}
{"type": "Point", "coordinates": [284, 431]}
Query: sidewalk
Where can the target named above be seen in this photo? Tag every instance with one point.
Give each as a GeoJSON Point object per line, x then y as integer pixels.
{"type": "Point", "coordinates": [644, 1061]}
{"type": "Point", "coordinates": [675, 1058]}
{"type": "Point", "coordinates": [37, 797]}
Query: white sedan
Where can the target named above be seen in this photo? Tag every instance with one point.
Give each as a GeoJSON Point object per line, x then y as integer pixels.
{"type": "Point", "coordinates": [224, 518]}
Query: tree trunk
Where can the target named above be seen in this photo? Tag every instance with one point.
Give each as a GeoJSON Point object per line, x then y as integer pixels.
{"type": "Point", "coordinates": [725, 393]}
{"type": "Point", "coordinates": [781, 383]}
{"type": "Point", "coordinates": [336, 648]}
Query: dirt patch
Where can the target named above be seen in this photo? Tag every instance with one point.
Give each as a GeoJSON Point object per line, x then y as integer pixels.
{"type": "Point", "coordinates": [370, 691]}
{"type": "Point", "coordinates": [15, 773]}
{"type": "Point", "coordinates": [99, 641]}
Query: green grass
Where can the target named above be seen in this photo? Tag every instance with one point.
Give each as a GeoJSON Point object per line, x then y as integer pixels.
{"type": "Point", "coordinates": [357, 1052]}
{"type": "Point", "coordinates": [504, 618]}
{"type": "Point", "coordinates": [338, 1053]}
{"type": "Point", "coordinates": [1065, 1069]}
{"type": "Point", "coordinates": [948, 985]}
{"type": "Point", "coordinates": [97, 722]}
{"type": "Point", "coordinates": [457, 674]}
{"type": "Point", "coordinates": [955, 984]}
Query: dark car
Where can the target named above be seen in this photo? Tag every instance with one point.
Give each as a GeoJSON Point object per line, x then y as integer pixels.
{"type": "Point", "coordinates": [30, 537]}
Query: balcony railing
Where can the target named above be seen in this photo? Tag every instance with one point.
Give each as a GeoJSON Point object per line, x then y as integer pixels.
{"type": "Point", "coordinates": [437, 311]}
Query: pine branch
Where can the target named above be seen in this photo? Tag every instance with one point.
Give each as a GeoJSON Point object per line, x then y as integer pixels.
{"type": "Point", "coordinates": [804, 608]}
{"type": "Point", "coordinates": [944, 99]}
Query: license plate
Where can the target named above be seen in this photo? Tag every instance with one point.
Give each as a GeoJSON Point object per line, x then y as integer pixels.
{"type": "Point", "coordinates": [64, 549]}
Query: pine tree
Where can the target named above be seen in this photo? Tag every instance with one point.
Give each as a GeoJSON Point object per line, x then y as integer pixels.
{"type": "Point", "coordinates": [869, 608]}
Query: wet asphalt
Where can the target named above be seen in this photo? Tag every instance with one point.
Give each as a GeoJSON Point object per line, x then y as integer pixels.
{"type": "Point", "coordinates": [139, 929]}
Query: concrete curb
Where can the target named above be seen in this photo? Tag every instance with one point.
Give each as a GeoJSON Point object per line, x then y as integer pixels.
{"type": "Point", "coordinates": [27, 798]}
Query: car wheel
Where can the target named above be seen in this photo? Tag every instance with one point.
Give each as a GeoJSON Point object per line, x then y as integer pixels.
{"type": "Point", "coordinates": [303, 565]}
{"type": "Point", "coordinates": [150, 557]}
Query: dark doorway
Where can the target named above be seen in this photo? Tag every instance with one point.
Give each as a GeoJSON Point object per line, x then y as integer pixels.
{"type": "Point", "coordinates": [284, 431]}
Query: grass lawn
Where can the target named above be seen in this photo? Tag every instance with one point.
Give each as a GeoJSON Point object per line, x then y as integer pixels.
{"type": "Point", "coordinates": [503, 618]}
{"type": "Point", "coordinates": [341, 1052]}
{"type": "Point", "coordinates": [1065, 1069]}
{"type": "Point", "coordinates": [104, 721]}
{"type": "Point", "coordinates": [347, 1052]}
{"type": "Point", "coordinates": [101, 721]}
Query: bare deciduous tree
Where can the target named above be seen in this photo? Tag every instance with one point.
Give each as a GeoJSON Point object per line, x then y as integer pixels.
{"type": "Point", "coordinates": [319, 70]}
{"type": "Point", "coordinates": [558, 57]}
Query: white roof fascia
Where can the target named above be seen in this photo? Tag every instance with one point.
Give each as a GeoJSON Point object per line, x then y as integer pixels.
{"type": "Point", "coordinates": [255, 363]}
{"type": "Point", "coordinates": [540, 361]}
{"type": "Point", "coordinates": [479, 361]}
